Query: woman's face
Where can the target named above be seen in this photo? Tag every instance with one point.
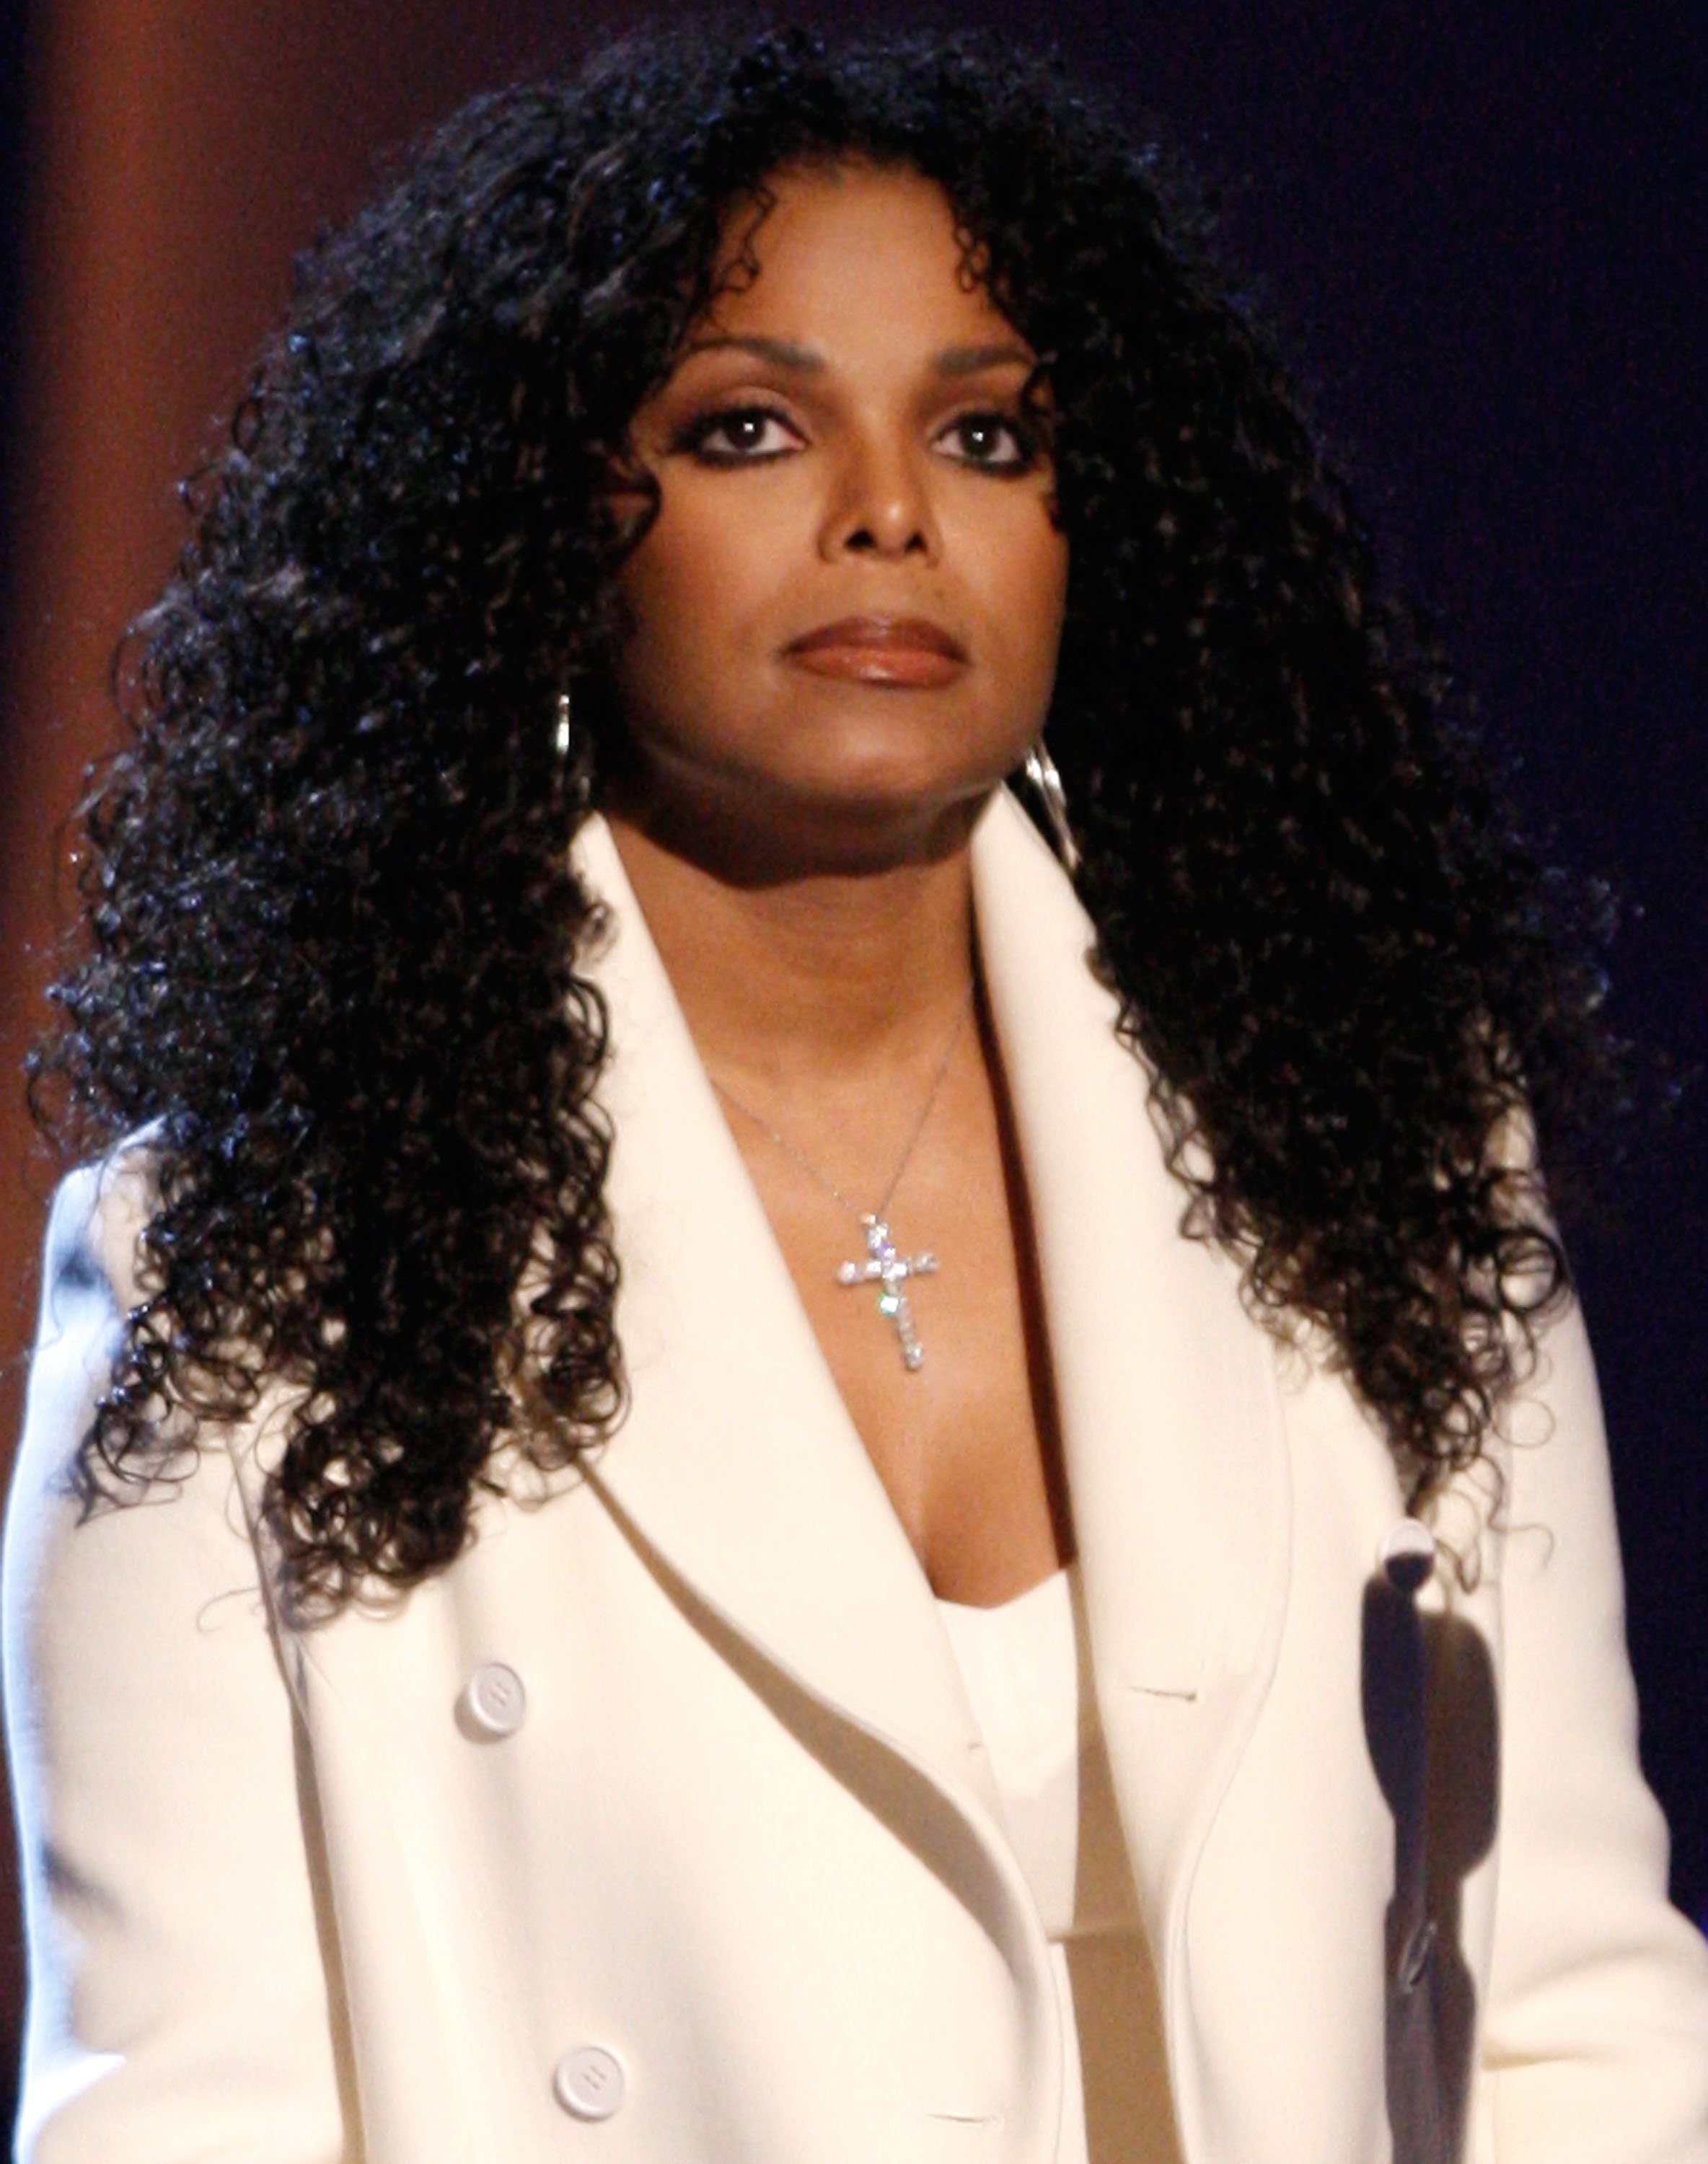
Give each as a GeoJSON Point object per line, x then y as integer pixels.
{"type": "Point", "coordinates": [847, 612]}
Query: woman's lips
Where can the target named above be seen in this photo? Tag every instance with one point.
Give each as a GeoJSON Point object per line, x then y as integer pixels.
{"type": "Point", "coordinates": [908, 652]}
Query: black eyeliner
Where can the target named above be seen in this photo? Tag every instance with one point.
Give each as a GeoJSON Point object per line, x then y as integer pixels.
{"type": "Point", "coordinates": [690, 435]}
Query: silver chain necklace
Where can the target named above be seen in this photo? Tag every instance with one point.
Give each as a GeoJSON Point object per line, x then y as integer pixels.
{"type": "Point", "coordinates": [883, 1263]}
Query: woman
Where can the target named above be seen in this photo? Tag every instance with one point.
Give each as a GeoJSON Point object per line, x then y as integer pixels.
{"type": "Point", "coordinates": [643, 1529]}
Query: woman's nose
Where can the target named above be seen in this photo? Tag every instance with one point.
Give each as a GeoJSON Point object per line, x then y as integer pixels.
{"type": "Point", "coordinates": [880, 506]}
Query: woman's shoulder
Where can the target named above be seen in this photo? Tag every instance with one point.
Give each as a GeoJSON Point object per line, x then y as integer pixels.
{"type": "Point", "coordinates": [95, 1334]}
{"type": "Point", "coordinates": [93, 1275]}
{"type": "Point", "coordinates": [95, 1225]}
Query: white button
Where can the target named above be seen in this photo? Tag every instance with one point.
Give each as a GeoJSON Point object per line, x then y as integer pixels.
{"type": "Point", "coordinates": [1408, 1555]}
{"type": "Point", "coordinates": [495, 1702]}
{"type": "Point", "coordinates": [590, 2081]}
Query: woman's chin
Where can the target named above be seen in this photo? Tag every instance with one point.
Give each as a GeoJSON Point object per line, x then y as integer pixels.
{"type": "Point", "coordinates": [770, 826]}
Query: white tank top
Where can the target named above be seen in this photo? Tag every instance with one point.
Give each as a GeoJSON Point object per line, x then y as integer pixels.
{"type": "Point", "coordinates": [1027, 1674]}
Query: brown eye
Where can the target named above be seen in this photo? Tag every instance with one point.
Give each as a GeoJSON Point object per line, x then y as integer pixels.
{"type": "Point", "coordinates": [997, 442]}
{"type": "Point", "coordinates": [738, 435]}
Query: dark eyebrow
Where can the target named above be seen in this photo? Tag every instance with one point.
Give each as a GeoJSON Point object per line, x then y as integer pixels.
{"type": "Point", "coordinates": [782, 352]}
{"type": "Point", "coordinates": [969, 360]}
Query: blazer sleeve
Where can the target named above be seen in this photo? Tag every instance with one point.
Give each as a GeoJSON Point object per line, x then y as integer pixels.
{"type": "Point", "coordinates": [179, 1946]}
{"type": "Point", "coordinates": [1596, 2037]}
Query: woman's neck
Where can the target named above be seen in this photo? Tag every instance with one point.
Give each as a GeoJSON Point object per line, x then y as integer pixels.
{"type": "Point", "coordinates": [814, 979]}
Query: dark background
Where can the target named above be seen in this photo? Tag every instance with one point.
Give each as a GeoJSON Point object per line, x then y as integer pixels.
{"type": "Point", "coordinates": [1483, 232]}
{"type": "Point", "coordinates": [11, 174]}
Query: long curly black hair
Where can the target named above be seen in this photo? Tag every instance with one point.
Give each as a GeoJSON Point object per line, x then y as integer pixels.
{"type": "Point", "coordinates": [331, 937]}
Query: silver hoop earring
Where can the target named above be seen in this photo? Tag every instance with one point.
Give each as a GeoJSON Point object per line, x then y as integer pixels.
{"type": "Point", "coordinates": [1041, 772]}
{"type": "Point", "coordinates": [572, 765]}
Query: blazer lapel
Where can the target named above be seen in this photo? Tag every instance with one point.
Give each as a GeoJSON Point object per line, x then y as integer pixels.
{"type": "Point", "coordinates": [1171, 1422]}
{"type": "Point", "coordinates": [738, 1461]}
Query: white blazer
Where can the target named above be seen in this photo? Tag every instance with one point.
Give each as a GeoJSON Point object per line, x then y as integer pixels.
{"type": "Point", "coordinates": [658, 1828]}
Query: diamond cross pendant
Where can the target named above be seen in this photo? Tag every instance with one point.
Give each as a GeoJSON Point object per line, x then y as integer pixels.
{"type": "Point", "coordinates": [885, 1267]}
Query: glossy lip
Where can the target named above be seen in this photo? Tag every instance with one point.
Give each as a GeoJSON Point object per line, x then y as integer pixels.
{"type": "Point", "coordinates": [914, 635]}
{"type": "Point", "coordinates": [904, 653]}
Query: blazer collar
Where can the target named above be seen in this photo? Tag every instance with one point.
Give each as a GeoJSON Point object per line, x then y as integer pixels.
{"type": "Point", "coordinates": [738, 1462]}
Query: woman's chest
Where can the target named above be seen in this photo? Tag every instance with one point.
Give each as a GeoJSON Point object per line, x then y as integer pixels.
{"type": "Point", "coordinates": [928, 1314]}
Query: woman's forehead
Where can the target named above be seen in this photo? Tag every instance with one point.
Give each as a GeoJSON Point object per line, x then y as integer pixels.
{"type": "Point", "coordinates": [853, 250]}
